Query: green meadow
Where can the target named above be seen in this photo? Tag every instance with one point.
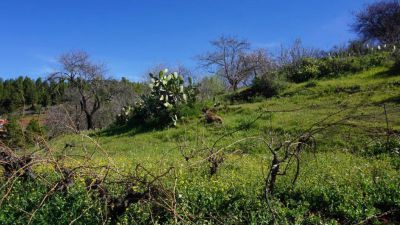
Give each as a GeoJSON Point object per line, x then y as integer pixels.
{"type": "Point", "coordinates": [346, 178]}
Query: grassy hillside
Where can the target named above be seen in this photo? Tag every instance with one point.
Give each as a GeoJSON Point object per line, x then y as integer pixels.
{"type": "Point", "coordinates": [300, 106]}
{"type": "Point", "coordinates": [346, 179]}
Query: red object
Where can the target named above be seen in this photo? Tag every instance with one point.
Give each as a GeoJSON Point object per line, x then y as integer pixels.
{"type": "Point", "coordinates": [3, 122]}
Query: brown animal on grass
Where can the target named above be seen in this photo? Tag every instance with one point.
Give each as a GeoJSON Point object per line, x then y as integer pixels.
{"type": "Point", "coordinates": [211, 117]}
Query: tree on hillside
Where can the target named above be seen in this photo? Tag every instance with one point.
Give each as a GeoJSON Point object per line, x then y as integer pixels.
{"type": "Point", "coordinates": [231, 60]}
{"type": "Point", "coordinates": [262, 63]}
{"type": "Point", "coordinates": [42, 89]}
{"type": "Point", "coordinates": [15, 134]}
{"type": "Point", "coordinates": [17, 95]}
{"type": "Point", "coordinates": [86, 79]}
{"type": "Point", "coordinates": [295, 58]}
{"type": "Point", "coordinates": [30, 92]}
{"type": "Point", "coordinates": [295, 53]}
{"type": "Point", "coordinates": [6, 103]}
{"type": "Point", "coordinates": [33, 131]}
{"type": "Point", "coordinates": [379, 21]}
{"type": "Point", "coordinates": [210, 86]}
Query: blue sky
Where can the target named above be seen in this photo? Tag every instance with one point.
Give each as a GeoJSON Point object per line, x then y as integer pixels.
{"type": "Point", "coordinates": [131, 36]}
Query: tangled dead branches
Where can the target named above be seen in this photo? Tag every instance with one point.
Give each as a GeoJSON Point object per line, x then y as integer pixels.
{"type": "Point", "coordinates": [136, 189]}
{"type": "Point", "coordinates": [13, 165]}
{"type": "Point", "coordinates": [137, 186]}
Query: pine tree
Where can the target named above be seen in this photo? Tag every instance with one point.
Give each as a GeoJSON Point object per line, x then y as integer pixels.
{"type": "Point", "coordinates": [17, 94]}
{"type": "Point", "coordinates": [30, 92]}
{"type": "Point", "coordinates": [43, 90]}
{"type": "Point", "coordinates": [33, 130]}
{"type": "Point", "coordinates": [7, 104]}
{"type": "Point", "coordinates": [15, 135]}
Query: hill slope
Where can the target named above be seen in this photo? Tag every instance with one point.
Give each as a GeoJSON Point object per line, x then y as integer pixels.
{"type": "Point", "coordinates": [344, 179]}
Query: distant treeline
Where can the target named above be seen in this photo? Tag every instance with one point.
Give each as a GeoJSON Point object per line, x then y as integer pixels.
{"type": "Point", "coordinates": [24, 91]}
{"type": "Point", "coordinates": [34, 94]}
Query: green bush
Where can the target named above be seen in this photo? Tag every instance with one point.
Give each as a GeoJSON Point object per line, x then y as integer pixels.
{"type": "Point", "coordinates": [267, 85]}
{"type": "Point", "coordinates": [163, 105]}
{"type": "Point", "coordinates": [310, 68]}
{"type": "Point", "coordinates": [15, 137]}
{"type": "Point", "coordinates": [210, 87]}
{"type": "Point", "coordinates": [264, 86]}
{"type": "Point", "coordinates": [376, 59]}
{"type": "Point", "coordinates": [304, 70]}
{"type": "Point", "coordinates": [33, 130]}
{"type": "Point", "coordinates": [392, 147]}
{"type": "Point", "coordinates": [124, 116]}
{"type": "Point", "coordinates": [191, 91]}
{"type": "Point", "coordinates": [333, 67]}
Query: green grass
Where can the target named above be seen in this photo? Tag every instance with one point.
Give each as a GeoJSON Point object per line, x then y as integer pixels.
{"type": "Point", "coordinates": [338, 184]}
{"type": "Point", "coordinates": [310, 105]}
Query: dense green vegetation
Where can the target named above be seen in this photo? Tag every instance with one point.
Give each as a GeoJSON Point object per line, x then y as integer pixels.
{"type": "Point", "coordinates": [310, 68]}
{"type": "Point", "coordinates": [306, 137]}
{"type": "Point", "coordinates": [350, 177]}
{"type": "Point", "coordinates": [163, 105]}
{"type": "Point", "coordinates": [27, 93]}
{"type": "Point", "coordinates": [24, 91]}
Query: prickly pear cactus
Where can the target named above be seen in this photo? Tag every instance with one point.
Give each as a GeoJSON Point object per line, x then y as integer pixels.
{"type": "Point", "coordinates": [168, 93]}
{"type": "Point", "coordinates": [124, 115]}
{"type": "Point", "coordinates": [168, 88]}
{"type": "Point", "coordinates": [164, 104]}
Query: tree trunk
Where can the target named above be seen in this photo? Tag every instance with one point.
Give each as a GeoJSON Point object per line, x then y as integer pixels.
{"type": "Point", "coordinates": [89, 121]}
{"type": "Point", "coordinates": [234, 86]}
{"type": "Point", "coordinates": [270, 182]}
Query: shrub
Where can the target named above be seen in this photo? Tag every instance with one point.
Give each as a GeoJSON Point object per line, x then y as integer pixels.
{"type": "Point", "coordinates": [124, 115]}
{"type": "Point", "coordinates": [304, 70]}
{"type": "Point", "coordinates": [15, 135]}
{"type": "Point", "coordinates": [267, 85]}
{"type": "Point", "coordinates": [376, 59]}
{"type": "Point", "coordinates": [33, 130]}
{"type": "Point", "coordinates": [191, 92]}
{"type": "Point", "coordinates": [333, 67]}
{"type": "Point", "coordinates": [330, 67]}
{"type": "Point", "coordinates": [209, 87]}
{"type": "Point", "coordinates": [264, 86]}
{"type": "Point", "coordinates": [163, 105]}
{"type": "Point", "coordinates": [390, 147]}
{"type": "Point", "coordinates": [353, 65]}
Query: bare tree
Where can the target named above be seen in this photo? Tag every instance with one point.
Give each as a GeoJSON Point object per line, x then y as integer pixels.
{"type": "Point", "coordinates": [62, 119]}
{"type": "Point", "coordinates": [122, 93]}
{"type": "Point", "coordinates": [296, 52]}
{"type": "Point", "coordinates": [261, 63]}
{"type": "Point", "coordinates": [87, 80]}
{"type": "Point", "coordinates": [185, 72]}
{"type": "Point", "coordinates": [379, 21]}
{"type": "Point", "coordinates": [231, 60]}
{"type": "Point", "coordinates": [210, 87]}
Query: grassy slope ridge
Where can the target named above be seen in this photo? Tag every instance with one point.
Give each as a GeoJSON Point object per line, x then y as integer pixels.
{"type": "Point", "coordinates": [337, 181]}
{"type": "Point", "coordinates": [373, 87]}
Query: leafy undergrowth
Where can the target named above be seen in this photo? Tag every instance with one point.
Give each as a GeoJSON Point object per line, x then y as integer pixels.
{"type": "Point", "coordinates": [351, 177]}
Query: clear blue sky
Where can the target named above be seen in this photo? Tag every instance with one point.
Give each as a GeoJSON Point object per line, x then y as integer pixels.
{"type": "Point", "coordinates": [132, 35]}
